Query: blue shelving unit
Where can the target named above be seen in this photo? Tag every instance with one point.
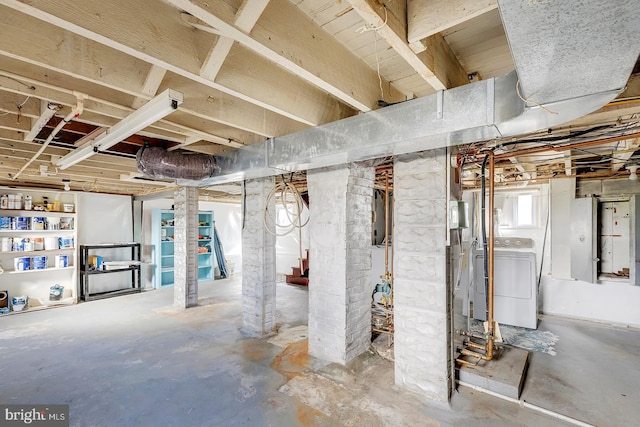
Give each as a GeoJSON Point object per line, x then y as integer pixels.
{"type": "Point", "coordinates": [162, 221]}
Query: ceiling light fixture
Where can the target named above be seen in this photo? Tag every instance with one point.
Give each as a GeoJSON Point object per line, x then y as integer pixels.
{"type": "Point", "coordinates": [67, 184]}
{"type": "Point", "coordinates": [154, 110]}
{"type": "Point", "coordinates": [633, 169]}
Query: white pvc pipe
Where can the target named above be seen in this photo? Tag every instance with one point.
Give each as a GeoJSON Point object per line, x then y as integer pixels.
{"type": "Point", "coordinates": [527, 405]}
{"type": "Point", "coordinates": [75, 112]}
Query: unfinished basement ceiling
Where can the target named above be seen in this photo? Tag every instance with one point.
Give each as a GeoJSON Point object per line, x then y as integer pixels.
{"type": "Point", "coordinates": [255, 69]}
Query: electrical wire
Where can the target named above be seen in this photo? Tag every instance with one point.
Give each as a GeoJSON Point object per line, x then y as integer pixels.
{"type": "Point", "coordinates": [286, 192]}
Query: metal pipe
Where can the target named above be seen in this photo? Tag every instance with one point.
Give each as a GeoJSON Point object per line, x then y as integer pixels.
{"type": "Point", "coordinates": [386, 223]}
{"type": "Point", "coordinates": [491, 255]}
{"type": "Point", "coordinates": [560, 148]}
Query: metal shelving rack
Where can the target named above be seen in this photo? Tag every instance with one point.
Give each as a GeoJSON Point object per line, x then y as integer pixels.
{"type": "Point", "coordinates": [86, 272]}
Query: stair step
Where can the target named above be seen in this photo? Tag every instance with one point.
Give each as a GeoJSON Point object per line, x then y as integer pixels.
{"type": "Point", "coordinates": [305, 263]}
{"type": "Point", "coordinates": [297, 280]}
{"type": "Point", "coordinates": [296, 271]}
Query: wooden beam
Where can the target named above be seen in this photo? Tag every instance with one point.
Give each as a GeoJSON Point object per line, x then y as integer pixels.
{"type": "Point", "coordinates": [428, 17]}
{"type": "Point", "coordinates": [15, 122]}
{"type": "Point", "coordinates": [150, 87]}
{"type": "Point", "coordinates": [100, 112]}
{"type": "Point", "coordinates": [153, 32]}
{"type": "Point", "coordinates": [287, 37]}
{"type": "Point", "coordinates": [9, 103]}
{"type": "Point", "coordinates": [245, 19]}
{"type": "Point", "coordinates": [439, 67]}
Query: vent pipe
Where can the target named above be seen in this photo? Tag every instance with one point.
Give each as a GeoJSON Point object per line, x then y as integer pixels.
{"type": "Point", "coordinates": [570, 61]}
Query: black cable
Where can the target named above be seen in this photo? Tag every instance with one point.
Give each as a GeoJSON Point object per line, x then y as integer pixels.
{"type": "Point", "coordinates": [485, 250]}
{"type": "Point", "coordinates": [544, 244]}
{"type": "Point", "coordinates": [558, 137]}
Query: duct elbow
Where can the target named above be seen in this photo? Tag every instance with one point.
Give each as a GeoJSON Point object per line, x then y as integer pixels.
{"type": "Point", "coordinates": [159, 163]}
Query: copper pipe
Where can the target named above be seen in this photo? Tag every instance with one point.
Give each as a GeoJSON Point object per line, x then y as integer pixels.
{"type": "Point", "coordinates": [386, 223]}
{"type": "Point", "coordinates": [465, 362]}
{"type": "Point", "coordinates": [471, 344]}
{"type": "Point", "coordinates": [490, 255]}
{"type": "Point", "coordinates": [565, 147]}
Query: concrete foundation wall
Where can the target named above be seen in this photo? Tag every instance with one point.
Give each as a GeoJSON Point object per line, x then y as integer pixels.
{"type": "Point", "coordinates": [340, 240]}
{"type": "Point", "coordinates": [421, 309]}
{"type": "Point", "coordinates": [258, 262]}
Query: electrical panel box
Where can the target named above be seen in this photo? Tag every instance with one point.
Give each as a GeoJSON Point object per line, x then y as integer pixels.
{"type": "Point", "coordinates": [458, 214]}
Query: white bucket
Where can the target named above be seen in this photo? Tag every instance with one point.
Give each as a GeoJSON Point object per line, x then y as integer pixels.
{"type": "Point", "coordinates": [50, 243]}
{"type": "Point", "coordinates": [7, 243]}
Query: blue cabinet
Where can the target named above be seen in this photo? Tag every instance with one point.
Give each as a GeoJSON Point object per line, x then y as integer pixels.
{"type": "Point", "coordinates": [162, 223]}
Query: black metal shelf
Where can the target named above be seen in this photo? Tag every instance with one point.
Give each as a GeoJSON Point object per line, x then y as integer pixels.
{"type": "Point", "coordinates": [86, 272]}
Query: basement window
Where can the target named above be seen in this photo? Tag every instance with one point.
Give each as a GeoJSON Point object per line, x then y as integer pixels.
{"type": "Point", "coordinates": [517, 210]}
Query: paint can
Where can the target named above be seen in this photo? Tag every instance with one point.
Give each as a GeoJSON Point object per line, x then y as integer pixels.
{"type": "Point", "coordinates": [5, 223]}
{"type": "Point", "coordinates": [62, 261]}
{"type": "Point", "coordinates": [65, 242]}
{"type": "Point", "coordinates": [17, 244]}
{"type": "Point", "coordinates": [39, 262]}
{"type": "Point", "coordinates": [28, 245]}
{"type": "Point", "coordinates": [22, 263]}
{"type": "Point", "coordinates": [6, 244]}
{"type": "Point", "coordinates": [20, 223]}
{"type": "Point", "coordinates": [50, 243]}
{"type": "Point", "coordinates": [19, 303]}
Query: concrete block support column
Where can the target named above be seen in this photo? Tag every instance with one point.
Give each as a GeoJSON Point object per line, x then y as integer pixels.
{"type": "Point", "coordinates": [421, 309]}
{"type": "Point", "coordinates": [340, 262]}
{"type": "Point", "coordinates": [185, 290]}
{"type": "Point", "coordinates": [258, 262]}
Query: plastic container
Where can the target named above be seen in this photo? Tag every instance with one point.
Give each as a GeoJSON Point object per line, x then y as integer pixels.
{"type": "Point", "coordinates": [38, 243]}
{"type": "Point", "coordinates": [39, 262]}
{"type": "Point", "coordinates": [68, 207]}
{"type": "Point", "coordinates": [55, 292]}
{"type": "Point", "coordinates": [62, 261]}
{"type": "Point", "coordinates": [22, 263]}
{"type": "Point", "coordinates": [28, 203]}
{"type": "Point", "coordinates": [37, 223]}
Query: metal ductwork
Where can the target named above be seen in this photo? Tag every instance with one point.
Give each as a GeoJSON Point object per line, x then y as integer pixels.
{"type": "Point", "coordinates": [159, 163]}
{"type": "Point", "coordinates": [571, 59]}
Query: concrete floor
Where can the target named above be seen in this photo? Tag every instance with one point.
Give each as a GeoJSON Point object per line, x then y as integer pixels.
{"type": "Point", "coordinates": [135, 360]}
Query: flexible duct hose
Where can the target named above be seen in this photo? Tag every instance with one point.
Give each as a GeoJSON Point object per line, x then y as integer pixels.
{"type": "Point", "coordinates": [159, 163]}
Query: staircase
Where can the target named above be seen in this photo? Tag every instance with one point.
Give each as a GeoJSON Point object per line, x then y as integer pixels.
{"type": "Point", "coordinates": [297, 277]}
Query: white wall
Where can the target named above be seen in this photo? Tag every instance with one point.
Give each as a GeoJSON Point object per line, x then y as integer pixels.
{"type": "Point", "coordinates": [288, 248]}
{"type": "Point", "coordinates": [609, 302]}
{"type": "Point", "coordinates": [106, 218]}
{"type": "Point", "coordinates": [606, 301]}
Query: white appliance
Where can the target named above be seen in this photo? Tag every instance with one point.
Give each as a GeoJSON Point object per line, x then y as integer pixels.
{"type": "Point", "coordinates": [515, 283]}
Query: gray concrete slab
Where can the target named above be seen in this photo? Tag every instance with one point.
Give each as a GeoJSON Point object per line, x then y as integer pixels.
{"type": "Point", "coordinates": [136, 360]}
{"type": "Point", "coordinates": [504, 374]}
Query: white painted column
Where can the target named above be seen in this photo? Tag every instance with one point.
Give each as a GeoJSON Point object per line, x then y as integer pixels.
{"type": "Point", "coordinates": [421, 310]}
{"type": "Point", "coordinates": [258, 262]}
{"type": "Point", "coordinates": [340, 262]}
{"type": "Point", "coordinates": [185, 290]}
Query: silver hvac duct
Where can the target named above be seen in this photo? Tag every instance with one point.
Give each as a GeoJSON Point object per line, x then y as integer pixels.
{"type": "Point", "coordinates": [571, 59]}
